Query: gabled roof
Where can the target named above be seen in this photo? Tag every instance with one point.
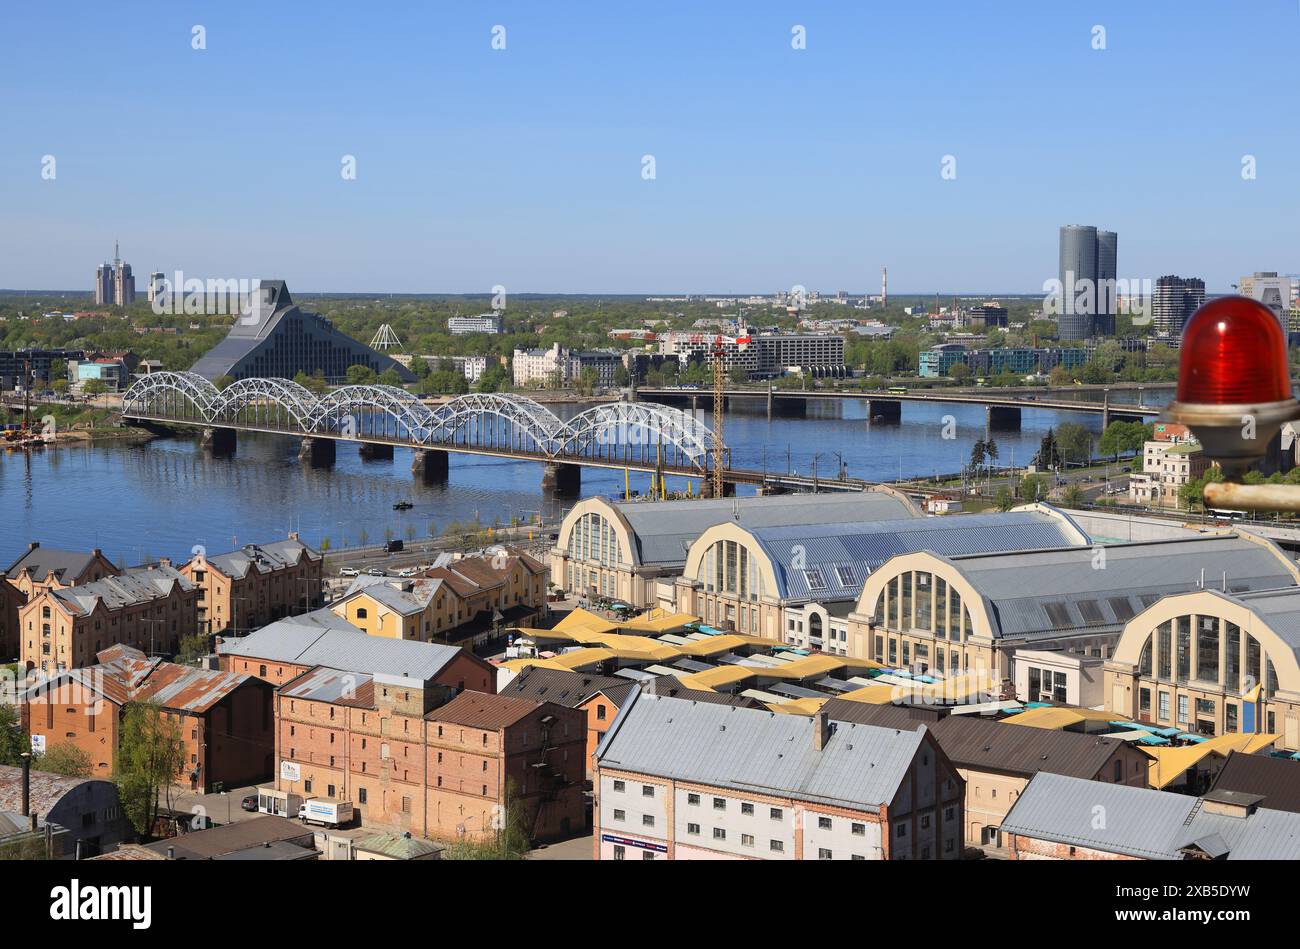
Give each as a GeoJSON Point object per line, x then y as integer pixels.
{"type": "Point", "coordinates": [481, 710]}
{"type": "Point", "coordinates": [750, 750]}
{"type": "Point", "coordinates": [984, 745]}
{"type": "Point", "coordinates": [340, 645]}
{"type": "Point", "coordinates": [131, 588]}
{"type": "Point", "coordinates": [569, 689]}
{"type": "Point", "coordinates": [41, 562]}
{"type": "Point", "coordinates": [264, 558]}
{"type": "Point", "coordinates": [1277, 779]}
{"type": "Point", "coordinates": [1139, 822]}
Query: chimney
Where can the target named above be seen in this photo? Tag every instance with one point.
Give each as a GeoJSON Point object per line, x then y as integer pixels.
{"type": "Point", "coordinates": [171, 853]}
{"type": "Point", "coordinates": [821, 730]}
{"type": "Point", "coordinates": [33, 545]}
{"type": "Point", "coordinates": [34, 822]}
{"type": "Point", "coordinates": [97, 552]}
{"type": "Point", "coordinates": [164, 561]}
{"type": "Point", "coordinates": [294, 535]}
{"type": "Point", "coordinates": [27, 785]}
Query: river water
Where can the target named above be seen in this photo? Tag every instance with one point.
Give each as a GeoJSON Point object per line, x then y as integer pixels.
{"type": "Point", "coordinates": [138, 502]}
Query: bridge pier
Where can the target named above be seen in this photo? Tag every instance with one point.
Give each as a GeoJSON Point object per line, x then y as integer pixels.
{"type": "Point", "coordinates": [373, 451]}
{"type": "Point", "coordinates": [1004, 417]}
{"type": "Point", "coordinates": [431, 465]}
{"type": "Point", "coordinates": [889, 411]}
{"type": "Point", "coordinates": [318, 452]}
{"type": "Point", "coordinates": [771, 488]}
{"type": "Point", "coordinates": [562, 479]}
{"type": "Point", "coordinates": [220, 441]}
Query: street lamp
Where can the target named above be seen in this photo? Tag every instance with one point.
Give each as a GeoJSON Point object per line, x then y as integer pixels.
{"type": "Point", "coordinates": [1234, 393]}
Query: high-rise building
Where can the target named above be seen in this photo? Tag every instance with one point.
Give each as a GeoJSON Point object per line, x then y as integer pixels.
{"type": "Point", "coordinates": [157, 285]}
{"type": "Point", "coordinates": [1087, 273]}
{"type": "Point", "coordinates": [1174, 301]}
{"type": "Point", "coordinates": [114, 284]}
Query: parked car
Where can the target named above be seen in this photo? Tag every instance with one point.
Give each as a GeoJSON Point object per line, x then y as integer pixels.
{"type": "Point", "coordinates": [249, 803]}
{"type": "Point", "coordinates": [374, 572]}
{"type": "Point", "coordinates": [393, 546]}
{"type": "Point", "coordinates": [349, 572]}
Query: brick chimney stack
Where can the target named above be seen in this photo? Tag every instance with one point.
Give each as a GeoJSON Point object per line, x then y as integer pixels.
{"type": "Point", "coordinates": [822, 729]}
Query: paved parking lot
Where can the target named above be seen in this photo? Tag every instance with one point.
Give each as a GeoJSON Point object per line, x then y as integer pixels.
{"type": "Point", "coordinates": [576, 848]}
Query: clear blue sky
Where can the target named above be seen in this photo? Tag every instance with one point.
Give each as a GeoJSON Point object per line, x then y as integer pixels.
{"type": "Point", "coordinates": [522, 167]}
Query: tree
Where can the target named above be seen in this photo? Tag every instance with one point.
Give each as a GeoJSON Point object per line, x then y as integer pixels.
{"type": "Point", "coordinates": [1123, 438]}
{"type": "Point", "coordinates": [1049, 452]}
{"type": "Point", "coordinates": [390, 377]}
{"type": "Point", "coordinates": [193, 648]}
{"type": "Point", "coordinates": [977, 454]}
{"type": "Point", "coordinates": [1034, 487]}
{"type": "Point", "coordinates": [1075, 442]}
{"type": "Point", "coordinates": [1005, 501]}
{"type": "Point", "coordinates": [13, 739]}
{"type": "Point", "coordinates": [223, 382]}
{"type": "Point", "coordinates": [495, 378]}
{"type": "Point", "coordinates": [359, 375]}
{"type": "Point", "coordinates": [959, 372]}
{"type": "Point", "coordinates": [1060, 376]}
{"type": "Point", "coordinates": [1073, 495]}
{"type": "Point", "coordinates": [65, 758]}
{"type": "Point", "coordinates": [150, 756]}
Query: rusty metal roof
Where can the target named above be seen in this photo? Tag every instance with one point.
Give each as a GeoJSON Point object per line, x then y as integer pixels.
{"type": "Point", "coordinates": [336, 686]}
{"type": "Point", "coordinates": [47, 789]}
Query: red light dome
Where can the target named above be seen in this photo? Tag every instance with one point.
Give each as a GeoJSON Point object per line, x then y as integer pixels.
{"type": "Point", "coordinates": [1233, 353]}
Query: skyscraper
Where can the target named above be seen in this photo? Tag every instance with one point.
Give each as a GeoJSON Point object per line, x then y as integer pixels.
{"type": "Point", "coordinates": [114, 284]}
{"type": "Point", "coordinates": [1087, 274]}
{"type": "Point", "coordinates": [1174, 301]}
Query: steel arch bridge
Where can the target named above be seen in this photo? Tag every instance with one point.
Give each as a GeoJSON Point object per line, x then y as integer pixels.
{"type": "Point", "coordinates": [640, 435]}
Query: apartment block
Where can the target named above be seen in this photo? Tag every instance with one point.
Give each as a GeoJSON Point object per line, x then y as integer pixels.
{"type": "Point", "coordinates": [149, 608]}
{"type": "Point", "coordinates": [247, 588]}
{"type": "Point", "coordinates": [414, 759]}
{"type": "Point", "coordinates": [683, 780]}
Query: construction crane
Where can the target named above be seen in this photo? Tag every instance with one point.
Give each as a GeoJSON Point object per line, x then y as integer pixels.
{"type": "Point", "coordinates": [717, 349]}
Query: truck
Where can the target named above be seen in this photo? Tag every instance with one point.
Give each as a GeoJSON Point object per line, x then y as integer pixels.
{"type": "Point", "coordinates": [325, 812]}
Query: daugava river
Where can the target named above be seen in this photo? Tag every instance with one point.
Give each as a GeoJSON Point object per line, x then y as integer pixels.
{"type": "Point", "coordinates": [138, 502]}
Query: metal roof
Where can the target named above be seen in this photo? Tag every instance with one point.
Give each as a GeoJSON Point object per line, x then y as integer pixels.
{"type": "Point", "coordinates": [837, 558]}
{"type": "Point", "coordinates": [1041, 594]}
{"type": "Point", "coordinates": [986, 745]}
{"type": "Point", "coordinates": [562, 687]}
{"type": "Point", "coordinates": [332, 685]}
{"type": "Point", "coordinates": [47, 789]}
{"type": "Point", "coordinates": [67, 565]}
{"type": "Point", "coordinates": [860, 766]}
{"type": "Point", "coordinates": [1277, 779]}
{"type": "Point", "coordinates": [341, 647]}
{"type": "Point", "coordinates": [1140, 822]}
{"type": "Point", "coordinates": [664, 530]}
{"type": "Point", "coordinates": [131, 588]}
{"type": "Point", "coordinates": [481, 710]}
{"type": "Point", "coordinates": [263, 557]}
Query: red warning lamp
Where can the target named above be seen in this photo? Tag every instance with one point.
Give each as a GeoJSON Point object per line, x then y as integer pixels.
{"type": "Point", "coordinates": [1234, 383]}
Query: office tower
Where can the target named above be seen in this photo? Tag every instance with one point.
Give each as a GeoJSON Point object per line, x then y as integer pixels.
{"type": "Point", "coordinates": [1087, 273]}
{"type": "Point", "coordinates": [157, 285]}
{"type": "Point", "coordinates": [1107, 250]}
{"type": "Point", "coordinates": [1174, 301]}
{"type": "Point", "coordinates": [114, 284]}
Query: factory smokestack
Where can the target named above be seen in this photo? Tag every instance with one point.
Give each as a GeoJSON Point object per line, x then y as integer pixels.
{"type": "Point", "coordinates": [884, 289]}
